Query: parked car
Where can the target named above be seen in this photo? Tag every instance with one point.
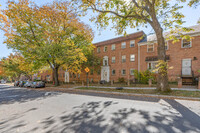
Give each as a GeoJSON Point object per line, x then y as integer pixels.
{"type": "Point", "coordinates": [39, 84]}
{"type": "Point", "coordinates": [2, 81]}
{"type": "Point", "coordinates": [16, 83]}
{"type": "Point", "coordinates": [28, 84]}
{"type": "Point", "coordinates": [21, 83]}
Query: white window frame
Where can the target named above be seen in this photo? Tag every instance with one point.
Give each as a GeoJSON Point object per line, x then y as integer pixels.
{"type": "Point", "coordinates": [123, 46]}
{"type": "Point", "coordinates": [122, 72]}
{"type": "Point", "coordinates": [106, 48]}
{"type": "Point", "coordinates": [124, 58]}
{"type": "Point", "coordinates": [98, 49]}
{"type": "Point", "coordinates": [114, 73]}
{"type": "Point", "coordinates": [131, 42]}
{"type": "Point", "coordinates": [167, 44]}
{"type": "Point", "coordinates": [148, 47]}
{"type": "Point", "coordinates": [151, 65]}
{"type": "Point", "coordinates": [132, 70]}
{"type": "Point", "coordinates": [131, 58]}
{"type": "Point", "coordinates": [186, 47]}
{"type": "Point", "coordinates": [113, 59]}
{"type": "Point", "coordinates": [113, 47]}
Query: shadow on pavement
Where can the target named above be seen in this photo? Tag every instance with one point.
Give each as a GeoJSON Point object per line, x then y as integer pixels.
{"type": "Point", "coordinates": [92, 117]}
{"type": "Point", "coordinates": [9, 94]}
{"type": "Point", "coordinates": [98, 117]}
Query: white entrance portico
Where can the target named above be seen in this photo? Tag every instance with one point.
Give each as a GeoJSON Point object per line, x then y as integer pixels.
{"type": "Point", "coordinates": [105, 70]}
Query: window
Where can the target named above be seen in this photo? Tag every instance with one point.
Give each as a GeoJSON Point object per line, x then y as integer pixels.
{"type": "Point", "coordinates": [91, 72]}
{"type": "Point", "coordinates": [113, 59]}
{"type": "Point", "coordinates": [99, 72]}
{"type": "Point", "coordinates": [79, 76]}
{"type": "Point", "coordinates": [152, 65]}
{"type": "Point", "coordinates": [113, 71]}
{"type": "Point", "coordinates": [74, 75]}
{"type": "Point", "coordinates": [123, 45]}
{"type": "Point", "coordinates": [131, 71]}
{"type": "Point", "coordinates": [123, 72]}
{"type": "Point", "coordinates": [105, 61]}
{"type": "Point", "coordinates": [123, 58]}
{"type": "Point", "coordinates": [132, 57]}
{"type": "Point", "coordinates": [150, 47]}
{"type": "Point", "coordinates": [98, 50]}
{"type": "Point", "coordinates": [105, 48]}
{"type": "Point", "coordinates": [166, 45]}
{"type": "Point", "coordinates": [186, 43]}
{"type": "Point", "coordinates": [113, 47]}
{"type": "Point", "coordinates": [132, 43]}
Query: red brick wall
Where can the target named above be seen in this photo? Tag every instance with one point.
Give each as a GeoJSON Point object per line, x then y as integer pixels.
{"type": "Point", "coordinates": [118, 52]}
{"type": "Point", "coordinates": [175, 51]}
{"type": "Point", "coordinates": [176, 55]}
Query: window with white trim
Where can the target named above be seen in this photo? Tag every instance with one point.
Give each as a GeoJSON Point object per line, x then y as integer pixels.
{"type": "Point", "coordinates": [132, 43]}
{"type": "Point", "coordinates": [123, 58]}
{"type": "Point", "coordinates": [151, 65]}
{"type": "Point", "coordinates": [150, 47]}
{"type": "Point", "coordinates": [113, 59]}
{"type": "Point", "coordinates": [98, 50]}
{"type": "Point", "coordinates": [113, 47]}
{"type": "Point", "coordinates": [123, 72]}
{"type": "Point", "coordinates": [132, 71]}
{"type": "Point", "coordinates": [123, 45]}
{"type": "Point", "coordinates": [132, 57]}
{"type": "Point", "coordinates": [113, 71]}
{"type": "Point", "coordinates": [105, 48]}
{"type": "Point", "coordinates": [186, 43]}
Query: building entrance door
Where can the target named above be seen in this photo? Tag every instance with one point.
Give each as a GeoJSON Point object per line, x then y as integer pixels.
{"type": "Point", "coordinates": [186, 67]}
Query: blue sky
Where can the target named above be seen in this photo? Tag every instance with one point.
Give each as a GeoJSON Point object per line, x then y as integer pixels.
{"type": "Point", "coordinates": [192, 15]}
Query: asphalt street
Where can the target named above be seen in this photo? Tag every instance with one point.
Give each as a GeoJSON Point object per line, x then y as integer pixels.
{"type": "Point", "coordinates": [24, 110]}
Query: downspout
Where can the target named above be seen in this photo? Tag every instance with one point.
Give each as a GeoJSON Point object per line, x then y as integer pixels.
{"type": "Point", "coordinates": [138, 57]}
{"type": "Point", "coordinates": [138, 60]}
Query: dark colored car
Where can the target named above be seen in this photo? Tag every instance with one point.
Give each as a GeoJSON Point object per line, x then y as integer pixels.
{"type": "Point", "coordinates": [21, 83]}
{"type": "Point", "coordinates": [28, 84]}
{"type": "Point", "coordinates": [16, 83]}
{"type": "Point", "coordinates": [39, 84]}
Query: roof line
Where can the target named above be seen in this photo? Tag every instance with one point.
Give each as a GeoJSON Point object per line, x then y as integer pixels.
{"type": "Point", "coordinates": [119, 37]}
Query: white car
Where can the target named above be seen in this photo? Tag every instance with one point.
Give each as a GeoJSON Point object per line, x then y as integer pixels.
{"type": "Point", "coordinates": [3, 81]}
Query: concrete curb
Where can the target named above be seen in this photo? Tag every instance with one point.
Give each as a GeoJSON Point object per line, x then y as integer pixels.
{"type": "Point", "coordinates": [143, 95]}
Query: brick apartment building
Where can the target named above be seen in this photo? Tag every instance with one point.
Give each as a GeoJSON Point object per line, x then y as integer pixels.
{"type": "Point", "coordinates": [122, 55]}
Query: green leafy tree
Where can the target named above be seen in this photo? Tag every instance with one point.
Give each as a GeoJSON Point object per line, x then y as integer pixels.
{"type": "Point", "coordinates": [159, 14]}
{"type": "Point", "coordinates": [194, 3]}
{"type": "Point", "coordinates": [51, 35]}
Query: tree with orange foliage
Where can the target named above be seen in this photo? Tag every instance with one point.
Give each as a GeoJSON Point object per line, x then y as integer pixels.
{"type": "Point", "coordinates": [15, 65]}
{"type": "Point", "coordinates": [51, 35]}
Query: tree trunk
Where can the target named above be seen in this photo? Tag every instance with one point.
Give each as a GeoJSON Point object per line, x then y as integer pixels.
{"type": "Point", "coordinates": [162, 79]}
{"type": "Point", "coordinates": [55, 76]}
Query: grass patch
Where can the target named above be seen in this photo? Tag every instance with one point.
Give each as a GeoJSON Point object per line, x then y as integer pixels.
{"type": "Point", "coordinates": [181, 93]}
{"type": "Point", "coordinates": [131, 85]}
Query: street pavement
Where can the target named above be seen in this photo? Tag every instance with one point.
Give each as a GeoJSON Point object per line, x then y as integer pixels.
{"type": "Point", "coordinates": [25, 111]}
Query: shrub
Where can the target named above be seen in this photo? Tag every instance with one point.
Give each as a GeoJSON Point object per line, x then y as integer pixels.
{"type": "Point", "coordinates": [143, 77]}
{"type": "Point", "coordinates": [121, 80]}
